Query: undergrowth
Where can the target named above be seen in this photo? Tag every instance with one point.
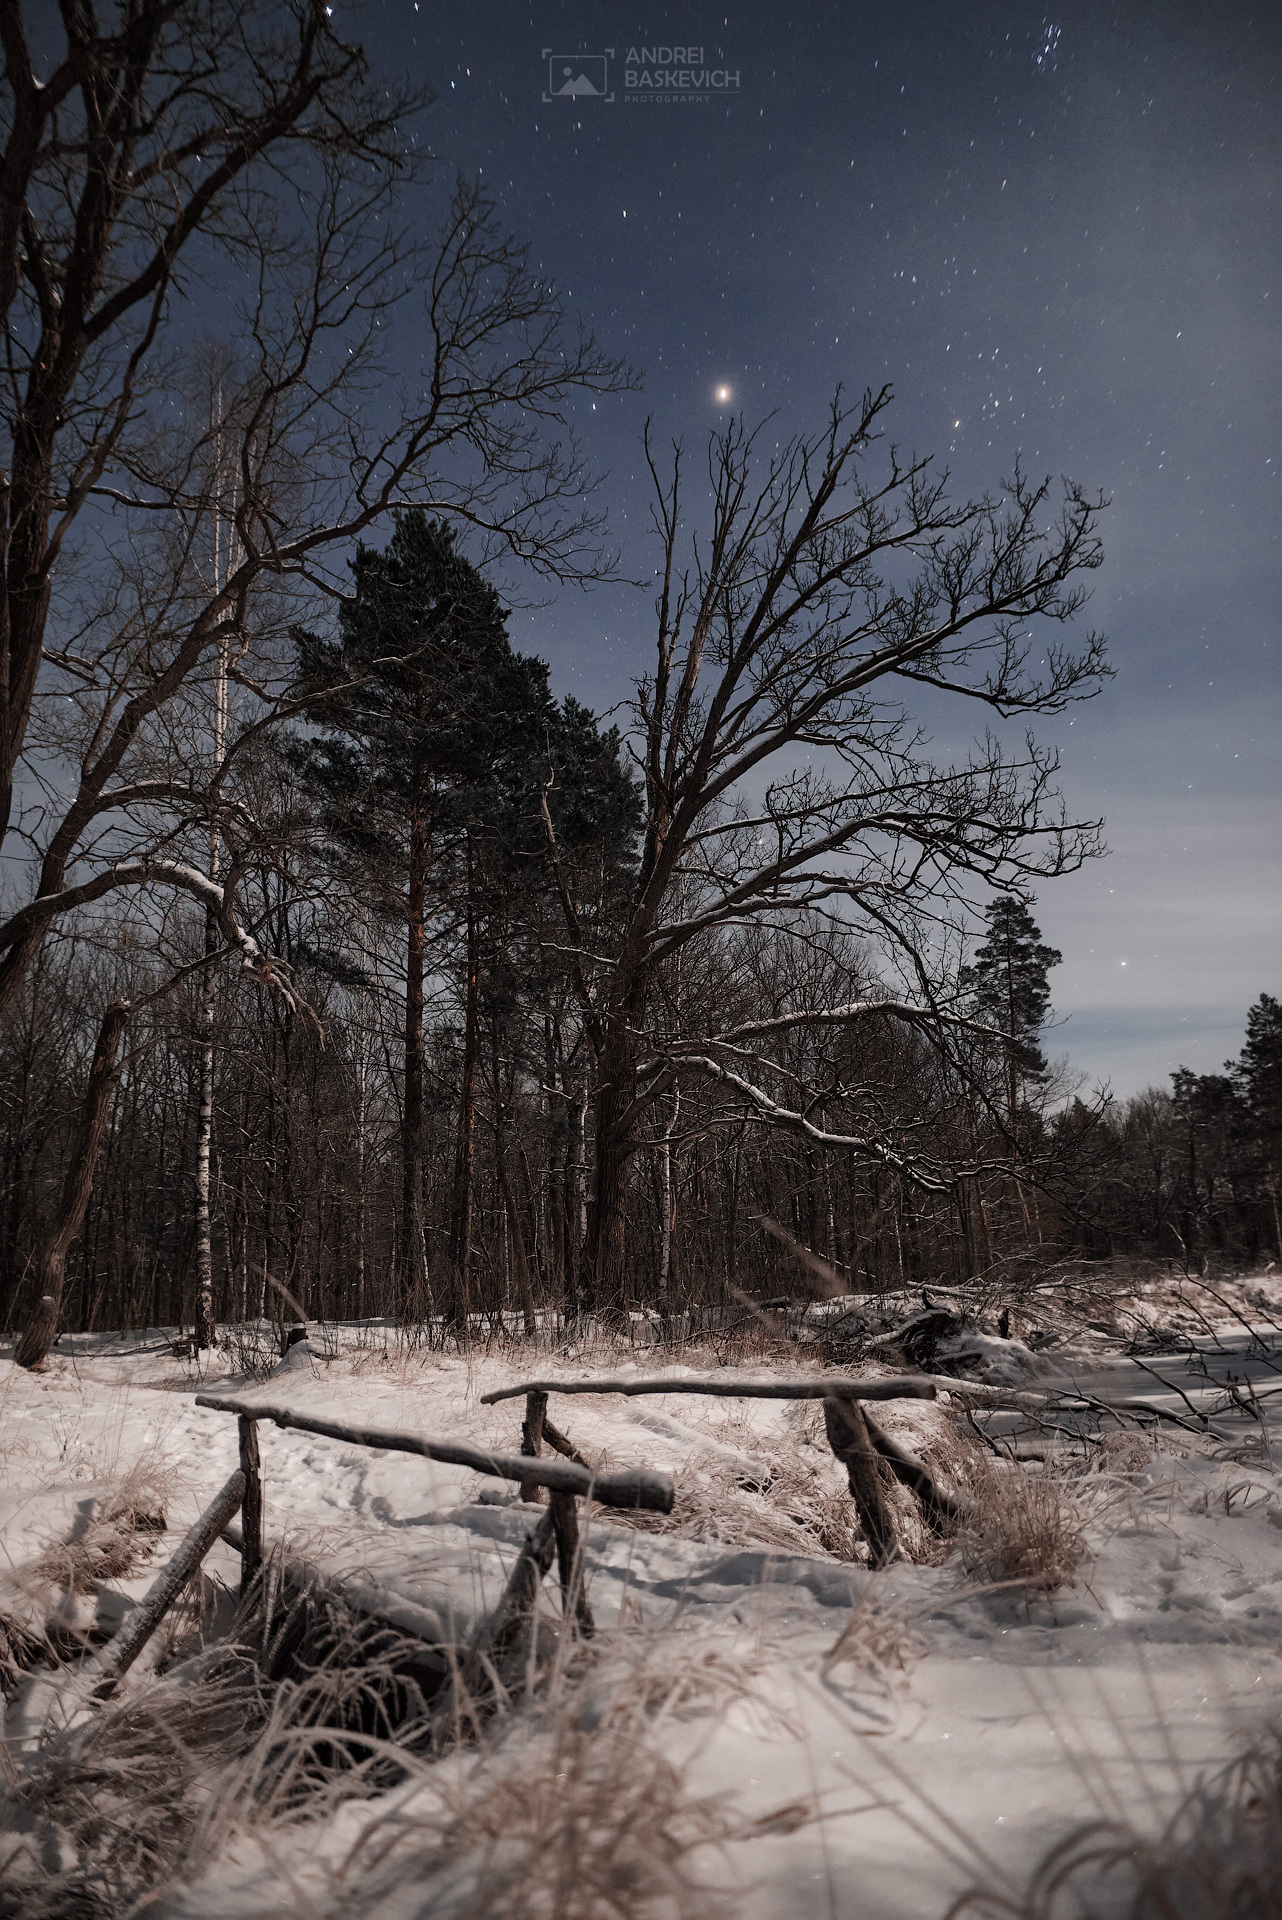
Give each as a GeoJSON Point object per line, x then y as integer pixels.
{"type": "Point", "coordinates": [1216, 1858]}
{"type": "Point", "coordinates": [574, 1809]}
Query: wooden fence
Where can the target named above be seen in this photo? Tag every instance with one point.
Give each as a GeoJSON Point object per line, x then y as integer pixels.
{"type": "Point", "coordinates": [854, 1436]}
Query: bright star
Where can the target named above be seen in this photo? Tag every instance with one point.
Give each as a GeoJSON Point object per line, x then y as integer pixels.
{"type": "Point", "coordinates": [723, 395]}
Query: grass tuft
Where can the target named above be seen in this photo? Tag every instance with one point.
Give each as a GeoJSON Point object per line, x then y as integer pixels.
{"type": "Point", "coordinates": [1215, 1859]}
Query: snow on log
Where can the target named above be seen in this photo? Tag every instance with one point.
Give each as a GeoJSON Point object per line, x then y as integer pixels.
{"type": "Point", "coordinates": [731, 1387]}
{"type": "Point", "coordinates": [630, 1488]}
{"type": "Point", "coordinates": [120, 1653]}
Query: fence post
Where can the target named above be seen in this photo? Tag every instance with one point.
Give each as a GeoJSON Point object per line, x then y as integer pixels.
{"type": "Point", "coordinates": [569, 1558]}
{"type": "Point", "coordinates": [532, 1437]}
{"type": "Point", "coordinates": [849, 1440]}
{"type": "Point", "coordinates": [251, 1512]}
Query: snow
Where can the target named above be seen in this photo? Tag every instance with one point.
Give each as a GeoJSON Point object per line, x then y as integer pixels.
{"type": "Point", "coordinates": [956, 1748]}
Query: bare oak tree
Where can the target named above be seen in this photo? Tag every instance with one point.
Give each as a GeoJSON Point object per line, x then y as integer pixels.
{"type": "Point", "coordinates": [783, 774]}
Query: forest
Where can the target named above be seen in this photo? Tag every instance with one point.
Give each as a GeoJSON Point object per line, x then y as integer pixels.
{"type": "Point", "coordinates": [410, 1129]}
{"type": "Point", "coordinates": [576, 1345]}
{"type": "Point", "coordinates": [348, 969]}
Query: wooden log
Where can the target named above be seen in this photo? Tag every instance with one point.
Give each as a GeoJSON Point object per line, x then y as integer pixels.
{"type": "Point", "coordinates": [532, 1438]}
{"type": "Point", "coordinates": [940, 1507]}
{"type": "Point", "coordinates": [109, 1667]}
{"type": "Point", "coordinates": [633, 1487]}
{"type": "Point", "coordinates": [575, 1609]}
{"type": "Point", "coordinates": [848, 1438]}
{"type": "Point", "coordinates": [251, 1512]}
{"type": "Point", "coordinates": [731, 1387]}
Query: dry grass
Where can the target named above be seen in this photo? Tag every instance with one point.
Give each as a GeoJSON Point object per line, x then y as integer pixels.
{"type": "Point", "coordinates": [1217, 1858]}
{"type": "Point", "coordinates": [1026, 1530]}
{"type": "Point", "coordinates": [589, 1824]}
{"type": "Point", "coordinates": [878, 1643]}
{"type": "Point", "coordinates": [578, 1814]}
{"type": "Point", "coordinates": [110, 1805]}
{"type": "Point", "coordinates": [571, 1809]}
{"type": "Point", "coordinates": [799, 1503]}
{"type": "Point", "coordinates": [795, 1500]}
{"type": "Point", "coordinates": [119, 1537]}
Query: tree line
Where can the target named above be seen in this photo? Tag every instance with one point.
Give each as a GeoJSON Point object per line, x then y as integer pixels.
{"type": "Point", "coordinates": [344, 968]}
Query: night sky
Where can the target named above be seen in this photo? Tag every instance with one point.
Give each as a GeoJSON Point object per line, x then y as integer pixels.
{"type": "Point", "coordinates": [1056, 235]}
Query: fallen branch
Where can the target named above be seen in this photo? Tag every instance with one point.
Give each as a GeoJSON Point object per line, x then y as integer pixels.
{"type": "Point", "coordinates": [104, 1673]}
{"type": "Point", "coordinates": [632, 1488]}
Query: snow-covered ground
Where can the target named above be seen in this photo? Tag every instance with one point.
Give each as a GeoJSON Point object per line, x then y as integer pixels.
{"type": "Point", "coordinates": [853, 1742]}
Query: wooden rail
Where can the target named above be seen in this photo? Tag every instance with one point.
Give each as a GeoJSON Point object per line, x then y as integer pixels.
{"type": "Point", "coordinates": [730, 1386]}
{"type": "Point", "coordinates": [867, 1453]}
{"type": "Point", "coordinates": [635, 1487]}
{"type": "Point", "coordinates": [568, 1480]}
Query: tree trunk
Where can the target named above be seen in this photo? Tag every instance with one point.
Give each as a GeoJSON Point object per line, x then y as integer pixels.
{"type": "Point", "coordinates": [204, 1248]}
{"type": "Point", "coordinates": [516, 1240]}
{"type": "Point", "coordinates": [669, 1208]}
{"type": "Point", "coordinates": [51, 1261]}
{"type": "Point", "coordinates": [465, 1140]}
{"type": "Point", "coordinates": [414, 1242]}
{"type": "Point", "coordinates": [607, 1252]}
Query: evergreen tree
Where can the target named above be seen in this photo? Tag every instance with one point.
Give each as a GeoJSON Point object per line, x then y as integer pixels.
{"type": "Point", "coordinates": [436, 746]}
{"type": "Point", "coordinates": [1008, 982]}
{"type": "Point", "coordinates": [429, 722]}
{"type": "Point", "coordinates": [1257, 1077]}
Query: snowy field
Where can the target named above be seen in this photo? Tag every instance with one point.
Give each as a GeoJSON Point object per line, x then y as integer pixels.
{"type": "Point", "coordinates": [763, 1727]}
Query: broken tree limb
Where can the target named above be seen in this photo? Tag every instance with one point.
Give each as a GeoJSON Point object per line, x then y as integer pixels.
{"type": "Point", "coordinates": [940, 1507]}
{"type": "Point", "coordinates": [634, 1487]}
{"type": "Point", "coordinates": [849, 1440]}
{"type": "Point", "coordinates": [973, 1393]}
{"type": "Point", "coordinates": [118, 1656]}
{"type": "Point", "coordinates": [569, 1559]}
{"type": "Point", "coordinates": [730, 1387]}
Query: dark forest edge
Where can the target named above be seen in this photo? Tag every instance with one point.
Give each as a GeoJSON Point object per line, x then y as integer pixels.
{"type": "Point", "coordinates": [347, 971]}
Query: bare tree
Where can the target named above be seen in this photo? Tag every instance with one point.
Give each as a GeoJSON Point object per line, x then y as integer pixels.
{"type": "Point", "coordinates": [782, 772]}
{"type": "Point", "coordinates": [220, 137]}
{"type": "Point", "coordinates": [237, 154]}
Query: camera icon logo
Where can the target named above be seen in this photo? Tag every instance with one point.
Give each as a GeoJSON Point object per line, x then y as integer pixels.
{"type": "Point", "coordinates": [578, 76]}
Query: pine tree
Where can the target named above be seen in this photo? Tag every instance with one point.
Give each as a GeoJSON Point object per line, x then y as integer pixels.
{"type": "Point", "coordinates": [1008, 982]}
{"type": "Point", "coordinates": [1257, 1076]}
{"type": "Point", "coordinates": [428, 721]}
{"type": "Point", "coordinates": [437, 744]}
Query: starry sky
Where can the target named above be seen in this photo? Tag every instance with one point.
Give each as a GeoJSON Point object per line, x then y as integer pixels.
{"type": "Point", "coordinates": [1056, 235]}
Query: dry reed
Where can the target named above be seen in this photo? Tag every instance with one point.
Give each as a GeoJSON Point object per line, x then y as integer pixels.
{"type": "Point", "coordinates": [1216, 1858]}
